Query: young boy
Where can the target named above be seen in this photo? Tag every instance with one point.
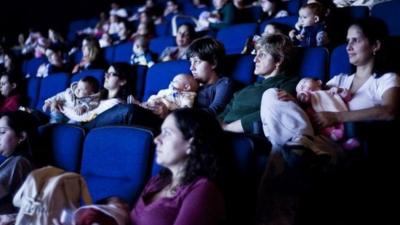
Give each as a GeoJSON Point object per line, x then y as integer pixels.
{"type": "Point", "coordinates": [310, 27]}
{"type": "Point", "coordinates": [81, 97]}
{"type": "Point", "coordinates": [140, 52]}
{"type": "Point", "coordinates": [180, 93]}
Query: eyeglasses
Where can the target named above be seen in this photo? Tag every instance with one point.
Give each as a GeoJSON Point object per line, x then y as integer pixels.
{"type": "Point", "coordinates": [111, 74]}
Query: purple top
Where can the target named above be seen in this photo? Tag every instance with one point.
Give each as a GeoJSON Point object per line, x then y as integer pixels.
{"type": "Point", "coordinates": [197, 203]}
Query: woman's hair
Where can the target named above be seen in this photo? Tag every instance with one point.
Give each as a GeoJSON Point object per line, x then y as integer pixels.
{"type": "Point", "coordinates": [209, 50]}
{"type": "Point", "coordinates": [19, 122]}
{"type": "Point", "coordinates": [374, 30]}
{"type": "Point", "coordinates": [204, 129]}
{"type": "Point", "coordinates": [94, 49]}
{"type": "Point", "coordinates": [280, 48]}
{"type": "Point", "coordinates": [122, 71]}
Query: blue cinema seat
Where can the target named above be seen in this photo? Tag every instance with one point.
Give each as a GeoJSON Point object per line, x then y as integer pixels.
{"type": "Point", "coordinates": [158, 44]}
{"type": "Point", "coordinates": [339, 61]}
{"type": "Point", "coordinates": [50, 86]}
{"type": "Point", "coordinates": [63, 145]}
{"type": "Point", "coordinates": [314, 62]}
{"type": "Point", "coordinates": [240, 68]}
{"type": "Point", "coordinates": [96, 73]}
{"type": "Point", "coordinates": [389, 12]}
{"type": "Point", "coordinates": [115, 161]}
{"type": "Point", "coordinates": [32, 90]}
{"type": "Point", "coordinates": [31, 66]}
{"type": "Point", "coordinates": [234, 37]}
{"type": "Point", "coordinates": [123, 52]}
{"type": "Point", "coordinates": [159, 75]}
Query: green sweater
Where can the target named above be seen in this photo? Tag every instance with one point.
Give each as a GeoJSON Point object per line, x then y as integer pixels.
{"type": "Point", "coordinates": [245, 105]}
{"type": "Point", "coordinates": [227, 13]}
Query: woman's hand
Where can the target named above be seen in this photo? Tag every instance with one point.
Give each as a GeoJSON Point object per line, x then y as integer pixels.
{"type": "Point", "coordinates": [325, 119]}
{"type": "Point", "coordinates": [285, 96]}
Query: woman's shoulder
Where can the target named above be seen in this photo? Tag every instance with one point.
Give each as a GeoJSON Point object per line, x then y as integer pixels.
{"type": "Point", "coordinates": [224, 80]}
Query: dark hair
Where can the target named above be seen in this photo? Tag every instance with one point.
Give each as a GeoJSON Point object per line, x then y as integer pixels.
{"type": "Point", "coordinates": [19, 122]}
{"type": "Point", "coordinates": [374, 30]}
{"type": "Point", "coordinates": [191, 30]}
{"type": "Point", "coordinates": [280, 48]}
{"type": "Point", "coordinates": [209, 50]}
{"type": "Point", "coordinates": [122, 71]}
{"type": "Point", "coordinates": [204, 128]}
{"type": "Point", "coordinates": [93, 82]}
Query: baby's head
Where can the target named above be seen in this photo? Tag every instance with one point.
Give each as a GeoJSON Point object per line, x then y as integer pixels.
{"type": "Point", "coordinates": [140, 45]}
{"type": "Point", "coordinates": [311, 14]}
{"type": "Point", "coordinates": [308, 84]}
{"type": "Point", "coordinates": [184, 82]}
{"type": "Point", "coordinates": [86, 87]}
{"type": "Point", "coordinates": [275, 28]}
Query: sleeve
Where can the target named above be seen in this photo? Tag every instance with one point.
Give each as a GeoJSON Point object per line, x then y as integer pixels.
{"type": "Point", "coordinates": [13, 176]}
{"type": "Point", "coordinates": [387, 81]}
{"type": "Point", "coordinates": [203, 205]}
{"type": "Point", "coordinates": [248, 120]}
{"type": "Point", "coordinates": [223, 94]}
{"type": "Point", "coordinates": [335, 81]}
{"type": "Point", "coordinates": [12, 104]}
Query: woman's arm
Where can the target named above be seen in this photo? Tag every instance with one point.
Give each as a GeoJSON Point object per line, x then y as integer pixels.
{"type": "Point", "coordinates": [203, 205]}
{"type": "Point", "coordinates": [387, 111]}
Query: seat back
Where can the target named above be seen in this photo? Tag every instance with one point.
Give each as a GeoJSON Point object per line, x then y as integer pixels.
{"type": "Point", "coordinates": [123, 52]}
{"type": "Point", "coordinates": [50, 86]}
{"type": "Point", "coordinates": [32, 90]}
{"type": "Point", "coordinates": [158, 44]}
{"type": "Point", "coordinates": [339, 61]}
{"type": "Point", "coordinates": [31, 66]}
{"type": "Point", "coordinates": [234, 37]}
{"type": "Point", "coordinates": [63, 145]}
{"type": "Point", "coordinates": [389, 12]}
{"type": "Point", "coordinates": [240, 68]}
{"type": "Point", "coordinates": [314, 62]}
{"type": "Point", "coordinates": [96, 73]}
{"type": "Point", "coordinates": [115, 161]}
{"type": "Point", "coordinates": [160, 75]}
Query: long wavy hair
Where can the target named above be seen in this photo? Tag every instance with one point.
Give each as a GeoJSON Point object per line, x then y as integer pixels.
{"type": "Point", "coordinates": [203, 160]}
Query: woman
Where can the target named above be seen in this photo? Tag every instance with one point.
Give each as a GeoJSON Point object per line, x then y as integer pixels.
{"type": "Point", "coordinates": [91, 56]}
{"type": "Point", "coordinates": [11, 98]}
{"type": "Point", "coordinates": [184, 37]}
{"type": "Point", "coordinates": [375, 96]}
{"type": "Point", "coordinates": [271, 9]}
{"type": "Point", "coordinates": [206, 59]}
{"type": "Point", "coordinates": [183, 193]}
{"type": "Point", "coordinates": [374, 88]}
{"type": "Point", "coordinates": [116, 90]}
{"type": "Point", "coordinates": [273, 61]}
{"type": "Point", "coordinates": [16, 129]}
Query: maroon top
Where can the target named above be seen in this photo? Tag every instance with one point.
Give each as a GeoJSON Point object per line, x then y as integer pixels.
{"type": "Point", "coordinates": [10, 104]}
{"type": "Point", "coordinates": [197, 203]}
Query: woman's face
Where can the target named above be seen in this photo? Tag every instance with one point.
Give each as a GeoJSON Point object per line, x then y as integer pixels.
{"type": "Point", "coordinates": [265, 63]}
{"type": "Point", "coordinates": [8, 138]}
{"type": "Point", "coordinates": [183, 37]}
{"type": "Point", "coordinates": [358, 48]}
{"type": "Point", "coordinates": [172, 149]}
{"type": "Point", "coordinates": [201, 70]}
{"type": "Point", "coordinates": [111, 81]}
{"type": "Point", "coordinates": [266, 5]}
{"type": "Point", "coordinates": [6, 87]}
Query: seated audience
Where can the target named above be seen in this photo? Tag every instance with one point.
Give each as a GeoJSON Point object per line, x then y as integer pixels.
{"type": "Point", "coordinates": [91, 56]}
{"type": "Point", "coordinates": [141, 54]}
{"type": "Point", "coordinates": [184, 37]}
{"type": "Point", "coordinates": [11, 98]}
{"type": "Point", "coordinates": [271, 9]}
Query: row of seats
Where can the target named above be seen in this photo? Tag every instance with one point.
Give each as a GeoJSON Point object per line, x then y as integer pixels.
{"type": "Point", "coordinates": [313, 62]}
{"type": "Point", "coordinates": [118, 161]}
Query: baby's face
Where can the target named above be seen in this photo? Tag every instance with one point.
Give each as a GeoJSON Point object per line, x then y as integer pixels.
{"type": "Point", "coordinates": [178, 83]}
{"type": "Point", "coordinates": [307, 17]}
{"type": "Point", "coordinates": [83, 89]}
{"type": "Point", "coordinates": [138, 48]}
{"type": "Point", "coordinates": [269, 30]}
{"type": "Point", "coordinates": [306, 85]}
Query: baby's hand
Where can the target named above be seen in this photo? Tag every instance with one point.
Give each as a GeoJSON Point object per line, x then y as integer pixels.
{"type": "Point", "coordinates": [80, 110]}
{"type": "Point", "coordinates": [292, 34]}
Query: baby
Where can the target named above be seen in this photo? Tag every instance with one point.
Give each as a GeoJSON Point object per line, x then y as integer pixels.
{"type": "Point", "coordinates": [180, 93]}
{"type": "Point", "coordinates": [81, 97]}
{"type": "Point", "coordinates": [140, 52]}
{"type": "Point", "coordinates": [310, 27]}
{"type": "Point", "coordinates": [310, 94]}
